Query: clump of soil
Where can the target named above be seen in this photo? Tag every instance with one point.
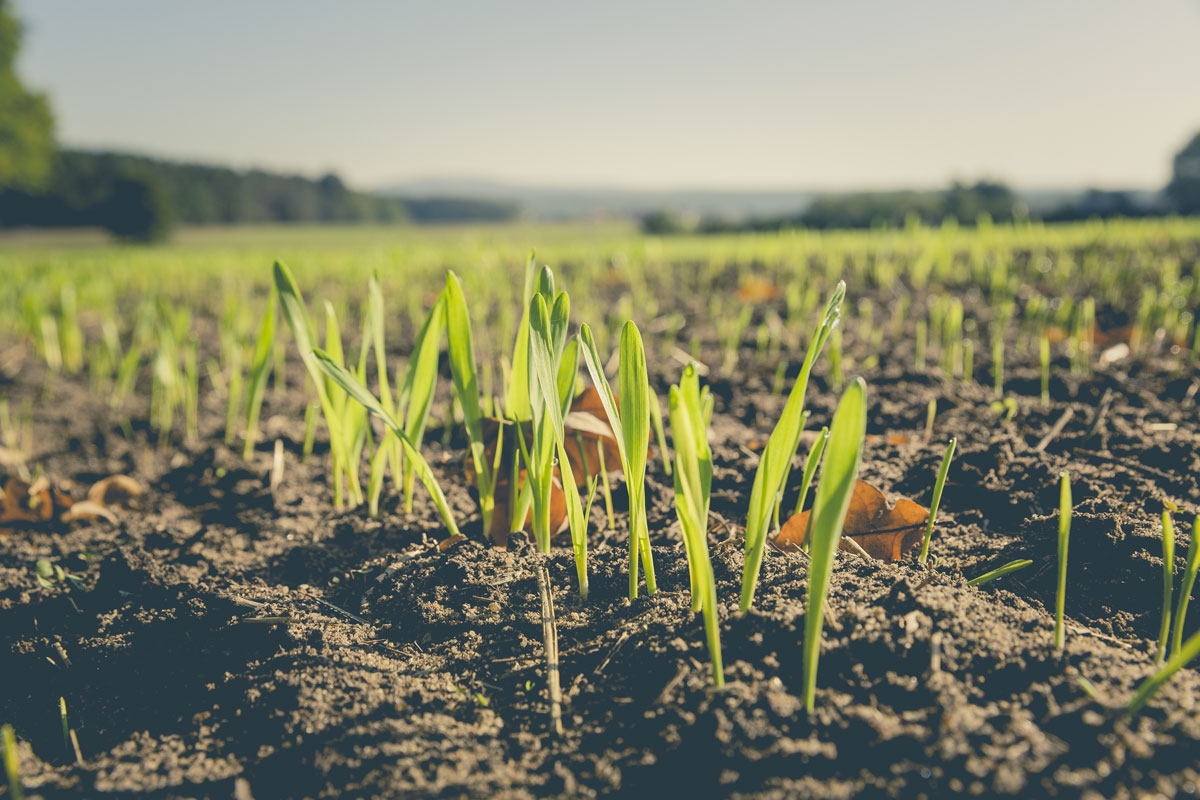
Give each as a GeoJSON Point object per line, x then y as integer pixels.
{"type": "Point", "coordinates": [226, 640]}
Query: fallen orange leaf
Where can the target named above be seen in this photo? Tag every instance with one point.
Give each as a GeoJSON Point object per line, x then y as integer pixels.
{"type": "Point", "coordinates": [757, 289]}
{"type": "Point", "coordinates": [884, 532]}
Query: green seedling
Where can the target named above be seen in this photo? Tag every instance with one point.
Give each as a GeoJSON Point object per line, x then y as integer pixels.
{"type": "Point", "coordinates": [50, 575]}
{"type": "Point", "coordinates": [12, 764]}
{"type": "Point", "coordinates": [777, 456]}
{"type": "Point", "coordinates": [656, 417]}
{"type": "Point", "coordinates": [842, 456]}
{"type": "Point", "coordinates": [355, 390]}
{"type": "Point", "coordinates": [810, 468]}
{"type": "Point", "coordinates": [466, 390]}
{"type": "Point", "coordinates": [552, 385]}
{"type": "Point", "coordinates": [1064, 536]}
{"type": "Point", "coordinates": [1000, 572]}
{"type": "Point", "coordinates": [1150, 686]}
{"type": "Point", "coordinates": [1168, 545]}
{"type": "Point", "coordinates": [260, 368]}
{"type": "Point", "coordinates": [1185, 588]}
{"type": "Point", "coordinates": [414, 398]}
{"type": "Point", "coordinates": [295, 312]}
{"type": "Point", "coordinates": [690, 409]}
{"type": "Point", "coordinates": [234, 399]}
{"type": "Point", "coordinates": [66, 726]}
{"type": "Point", "coordinates": [631, 426]}
{"type": "Point", "coordinates": [390, 449]}
{"type": "Point", "coordinates": [1044, 351]}
{"type": "Point", "coordinates": [555, 364]}
{"type": "Point", "coordinates": [938, 486]}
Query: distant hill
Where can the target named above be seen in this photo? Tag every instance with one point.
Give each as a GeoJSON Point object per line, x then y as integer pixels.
{"type": "Point", "coordinates": [555, 203]}
{"type": "Point", "coordinates": [733, 205]}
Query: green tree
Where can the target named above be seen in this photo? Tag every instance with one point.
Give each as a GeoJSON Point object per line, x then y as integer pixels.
{"type": "Point", "coordinates": [26, 125]}
{"type": "Point", "coordinates": [1184, 188]}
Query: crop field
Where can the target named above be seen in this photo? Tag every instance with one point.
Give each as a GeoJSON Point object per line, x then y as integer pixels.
{"type": "Point", "coordinates": [395, 512]}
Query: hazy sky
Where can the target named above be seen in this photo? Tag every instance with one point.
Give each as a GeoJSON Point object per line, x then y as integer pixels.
{"type": "Point", "coordinates": [642, 94]}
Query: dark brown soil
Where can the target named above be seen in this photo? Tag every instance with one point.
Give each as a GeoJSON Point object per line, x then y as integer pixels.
{"type": "Point", "coordinates": [404, 671]}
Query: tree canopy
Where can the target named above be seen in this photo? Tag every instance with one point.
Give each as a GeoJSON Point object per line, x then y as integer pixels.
{"type": "Point", "coordinates": [26, 125]}
{"type": "Point", "coordinates": [1184, 189]}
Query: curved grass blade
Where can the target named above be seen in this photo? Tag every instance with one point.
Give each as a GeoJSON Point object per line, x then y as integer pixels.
{"type": "Point", "coordinates": [362, 395]}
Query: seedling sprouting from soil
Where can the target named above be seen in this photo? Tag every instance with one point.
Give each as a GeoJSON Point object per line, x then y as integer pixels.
{"type": "Point", "coordinates": [1168, 545]}
{"type": "Point", "coordinates": [345, 472]}
{"type": "Point", "coordinates": [777, 456]}
{"type": "Point", "coordinates": [1150, 686]}
{"type": "Point", "coordinates": [354, 388]}
{"type": "Point", "coordinates": [1064, 535]}
{"type": "Point", "coordinates": [810, 468]}
{"type": "Point", "coordinates": [1185, 588]}
{"type": "Point", "coordinates": [631, 425]}
{"type": "Point", "coordinates": [846, 436]}
{"type": "Point", "coordinates": [12, 764]}
{"type": "Point", "coordinates": [1044, 352]}
{"type": "Point", "coordinates": [691, 412]}
{"type": "Point", "coordinates": [260, 369]}
{"type": "Point", "coordinates": [1000, 572]}
{"type": "Point", "coordinates": [554, 364]}
{"type": "Point", "coordinates": [938, 485]}
{"type": "Point", "coordinates": [466, 390]}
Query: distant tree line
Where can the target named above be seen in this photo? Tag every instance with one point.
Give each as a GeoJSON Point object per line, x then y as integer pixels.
{"type": "Point", "coordinates": [965, 203]}
{"type": "Point", "coordinates": [141, 198]}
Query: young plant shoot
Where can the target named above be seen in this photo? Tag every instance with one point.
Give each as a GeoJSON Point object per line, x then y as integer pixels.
{"type": "Point", "coordinates": [1000, 572]}
{"type": "Point", "coordinates": [360, 393]}
{"type": "Point", "coordinates": [260, 369]}
{"type": "Point", "coordinates": [1168, 545]}
{"type": "Point", "coordinates": [466, 390]}
{"type": "Point", "coordinates": [938, 486]}
{"type": "Point", "coordinates": [690, 409]}
{"type": "Point", "coordinates": [1064, 535]}
{"type": "Point", "coordinates": [553, 366]}
{"type": "Point", "coordinates": [842, 455]}
{"type": "Point", "coordinates": [631, 426]}
{"type": "Point", "coordinates": [777, 456]}
{"type": "Point", "coordinates": [1185, 588]}
{"type": "Point", "coordinates": [1188, 651]}
{"type": "Point", "coordinates": [810, 468]}
{"type": "Point", "coordinates": [296, 314]}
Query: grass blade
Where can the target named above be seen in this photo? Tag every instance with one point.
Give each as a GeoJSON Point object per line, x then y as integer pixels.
{"type": "Point", "coordinates": [1185, 588]}
{"type": "Point", "coordinates": [363, 396]}
{"type": "Point", "coordinates": [938, 485]}
{"type": "Point", "coordinates": [1064, 536]}
{"type": "Point", "coordinates": [1000, 572]}
{"type": "Point", "coordinates": [842, 456]}
{"type": "Point", "coordinates": [777, 456]}
{"type": "Point", "coordinates": [466, 388]}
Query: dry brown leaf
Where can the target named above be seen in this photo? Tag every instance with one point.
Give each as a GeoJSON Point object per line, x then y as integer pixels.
{"type": "Point", "coordinates": [87, 510]}
{"type": "Point", "coordinates": [37, 502]}
{"type": "Point", "coordinates": [502, 512]}
{"type": "Point", "coordinates": [884, 532]}
{"type": "Point", "coordinates": [447, 543]}
{"type": "Point", "coordinates": [115, 490]}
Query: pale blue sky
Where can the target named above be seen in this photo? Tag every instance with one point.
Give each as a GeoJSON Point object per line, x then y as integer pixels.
{"type": "Point", "coordinates": [746, 94]}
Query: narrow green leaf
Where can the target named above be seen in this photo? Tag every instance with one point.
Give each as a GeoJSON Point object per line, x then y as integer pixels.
{"type": "Point", "coordinates": [846, 436]}
{"type": "Point", "coordinates": [362, 395]}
